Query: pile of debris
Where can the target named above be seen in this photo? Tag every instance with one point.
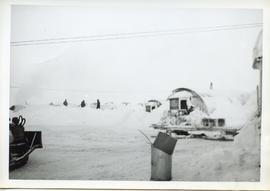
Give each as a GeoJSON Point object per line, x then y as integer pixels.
{"type": "Point", "coordinates": [188, 117]}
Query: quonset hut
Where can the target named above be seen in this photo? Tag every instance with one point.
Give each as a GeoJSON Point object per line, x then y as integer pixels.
{"type": "Point", "coordinates": [184, 100]}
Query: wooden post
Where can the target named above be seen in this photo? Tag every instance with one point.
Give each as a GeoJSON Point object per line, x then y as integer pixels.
{"type": "Point", "coordinates": [259, 102]}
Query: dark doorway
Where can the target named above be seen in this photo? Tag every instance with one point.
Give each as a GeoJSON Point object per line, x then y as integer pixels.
{"type": "Point", "coordinates": [183, 104]}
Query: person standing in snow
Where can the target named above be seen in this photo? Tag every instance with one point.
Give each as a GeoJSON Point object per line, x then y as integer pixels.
{"type": "Point", "coordinates": [211, 86]}
{"type": "Point", "coordinates": [98, 104]}
{"type": "Point", "coordinates": [83, 103]}
{"type": "Point", "coordinates": [65, 102]}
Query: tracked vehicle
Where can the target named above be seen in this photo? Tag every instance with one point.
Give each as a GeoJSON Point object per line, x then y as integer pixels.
{"type": "Point", "coordinates": [21, 143]}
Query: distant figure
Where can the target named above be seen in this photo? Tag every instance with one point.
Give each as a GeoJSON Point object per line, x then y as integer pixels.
{"type": "Point", "coordinates": [65, 102]}
{"type": "Point", "coordinates": [211, 86]}
{"type": "Point", "coordinates": [83, 103]}
{"type": "Point", "coordinates": [98, 104]}
{"type": "Point", "coordinates": [190, 109]}
{"type": "Point", "coordinates": [12, 108]}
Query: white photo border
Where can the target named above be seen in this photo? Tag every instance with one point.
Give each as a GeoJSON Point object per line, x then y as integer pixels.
{"type": "Point", "coordinates": [5, 182]}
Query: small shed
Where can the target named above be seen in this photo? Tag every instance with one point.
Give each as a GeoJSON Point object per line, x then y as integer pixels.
{"type": "Point", "coordinates": [151, 105]}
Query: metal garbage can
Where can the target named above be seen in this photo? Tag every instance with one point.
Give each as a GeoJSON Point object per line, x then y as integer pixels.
{"type": "Point", "coordinates": [161, 157]}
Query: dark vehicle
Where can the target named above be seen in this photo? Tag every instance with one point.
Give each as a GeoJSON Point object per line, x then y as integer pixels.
{"type": "Point", "coordinates": [21, 143]}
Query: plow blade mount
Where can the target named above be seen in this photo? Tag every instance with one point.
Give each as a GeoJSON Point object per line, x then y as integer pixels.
{"type": "Point", "coordinates": [34, 139]}
{"type": "Point", "coordinates": [19, 152]}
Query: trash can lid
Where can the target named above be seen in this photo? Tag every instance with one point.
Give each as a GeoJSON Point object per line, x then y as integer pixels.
{"type": "Point", "coordinates": [165, 142]}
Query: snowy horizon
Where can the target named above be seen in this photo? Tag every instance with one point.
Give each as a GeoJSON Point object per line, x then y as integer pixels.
{"type": "Point", "coordinates": [39, 96]}
{"type": "Point", "coordinates": [146, 64]}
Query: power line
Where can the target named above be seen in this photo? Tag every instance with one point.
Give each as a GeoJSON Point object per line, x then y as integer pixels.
{"type": "Point", "coordinates": [134, 34]}
{"type": "Point", "coordinates": [152, 31]}
{"type": "Point", "coordinates": [130, 35]}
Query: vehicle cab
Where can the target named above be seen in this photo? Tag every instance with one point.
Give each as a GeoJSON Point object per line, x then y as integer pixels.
{"type": "Point", "coordinates": [151, 105]}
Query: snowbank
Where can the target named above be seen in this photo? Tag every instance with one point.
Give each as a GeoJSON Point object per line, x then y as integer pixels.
{"type": "Point", "coordinates": [105, 144]}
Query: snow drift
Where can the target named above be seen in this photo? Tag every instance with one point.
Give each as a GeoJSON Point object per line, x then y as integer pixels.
{"type": "Point", "coordinates": [106, 145]}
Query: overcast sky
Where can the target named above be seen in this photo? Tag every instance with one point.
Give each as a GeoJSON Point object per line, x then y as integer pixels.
{"type": "Point", "coordinates": [142, 64]}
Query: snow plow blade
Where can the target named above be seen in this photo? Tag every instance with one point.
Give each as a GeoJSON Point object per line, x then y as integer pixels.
{"type": "Point", "coordinates": [20, 151]}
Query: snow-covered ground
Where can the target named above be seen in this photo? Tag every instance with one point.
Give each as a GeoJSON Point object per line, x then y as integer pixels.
{"type": "Point", "coordinates": [89, 144]}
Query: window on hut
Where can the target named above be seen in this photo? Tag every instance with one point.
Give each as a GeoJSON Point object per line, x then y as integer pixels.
{"type": "Point", "coordinates": [174, 103]}
{"type": "Point", "coordinates": [221, 122]}
{"type": "Point", "coordinates": [212, 122]}
{"type": "Point", "coordinates": [205, 122]}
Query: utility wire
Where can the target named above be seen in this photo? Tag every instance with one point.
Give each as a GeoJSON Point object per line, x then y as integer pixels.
{"type": "Point", "coordinates": [153, 31]}
{"type": "Point", "coordinates": [128, 35]}
{"type": "Point", "coordinates": [134, 34]}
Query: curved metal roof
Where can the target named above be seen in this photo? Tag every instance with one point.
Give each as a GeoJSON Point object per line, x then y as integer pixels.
{"type": "Point", "coordinates": [203, 106]}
